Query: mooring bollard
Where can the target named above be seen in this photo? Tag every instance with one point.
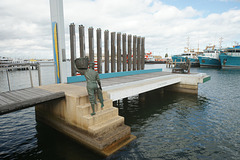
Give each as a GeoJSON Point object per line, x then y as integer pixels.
{"type": "Point", "coordinates": [118, 52]}
{"type": "Point", "coordinates": [129, 52]}
{"type": "Point", "coordinates": [124, 52]}
{"type": "Point", "coordinates": [82, 40]}
{"type": "Point", "coordinates": [113, 53]}
{"type": "Point", "coordinates": [134, 52]}
{"type": "Point", "coordinates": [106, 50]}
{"type": "Point", "coordinates": [99, 50]}
{"type": "Point", "coordinates": [91, 44]}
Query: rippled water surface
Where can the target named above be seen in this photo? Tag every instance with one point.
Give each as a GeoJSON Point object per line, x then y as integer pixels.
{"type": "Point", "coordinates": [167, 125]}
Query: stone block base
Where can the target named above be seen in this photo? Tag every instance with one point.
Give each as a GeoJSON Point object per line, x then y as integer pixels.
{"type": "Point", "coordinates": [184, 88]}
{"type": "Point", "coordinates": [104, 132]}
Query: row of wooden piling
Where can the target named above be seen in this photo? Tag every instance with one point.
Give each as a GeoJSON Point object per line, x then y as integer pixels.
{"type": "Point", "coordinates": [130, 49]}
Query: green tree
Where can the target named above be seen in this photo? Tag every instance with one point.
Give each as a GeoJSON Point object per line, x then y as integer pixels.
{"type": "Point", "coordinates": [166, 55]}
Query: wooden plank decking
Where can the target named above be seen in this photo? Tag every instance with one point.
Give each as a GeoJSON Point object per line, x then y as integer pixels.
{"type": "Point", "coordinates": [15, 100]}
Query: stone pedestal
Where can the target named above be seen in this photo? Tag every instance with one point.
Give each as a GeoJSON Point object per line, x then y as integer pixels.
{"type": "Point", "coordinates": [104, 132]}
{"type": "Point", "coordinates": [189, 83]}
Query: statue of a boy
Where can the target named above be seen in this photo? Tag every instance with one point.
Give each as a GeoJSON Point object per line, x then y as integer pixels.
{"type": "Point", "coordinates": [93, 81]}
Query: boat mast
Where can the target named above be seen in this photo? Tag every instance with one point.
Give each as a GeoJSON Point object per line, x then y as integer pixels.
{"type": "Point", "coordinates": [188, 44]}
{"type": "Point", "coordinates": [220, 42]}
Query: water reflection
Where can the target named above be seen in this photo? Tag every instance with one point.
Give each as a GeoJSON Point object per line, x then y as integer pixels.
{"type": "Point", "coordinates": [54, 145]}
{"type": "Point", "coordinates": [167, 126]}
{"type": "Point", "coordinates": [138, 109]}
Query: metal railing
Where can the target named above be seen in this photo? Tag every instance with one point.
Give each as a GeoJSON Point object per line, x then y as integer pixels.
{"type": "Point", "coordinates": [28, 66]}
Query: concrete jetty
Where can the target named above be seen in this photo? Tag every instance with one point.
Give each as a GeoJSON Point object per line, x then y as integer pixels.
{"type": "Point", "coordinates": [104, 132]}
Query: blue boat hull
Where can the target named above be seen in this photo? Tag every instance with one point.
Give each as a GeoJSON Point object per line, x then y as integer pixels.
{"type": "Point", "coordinates": [209, 62]}
{"type": "Point", "coordinates": [228, 61]}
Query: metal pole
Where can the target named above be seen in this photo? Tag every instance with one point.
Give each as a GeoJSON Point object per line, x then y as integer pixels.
{"type": "Point", "coordinates": [143, 53]}
{"type": "Point", "coordinates": [106, 49]}
{"type": "Point", "coordinates": [39, 75]}
{"type": "Point", "coordinates": [138, 53]}
{"type": "Point", "coordinates": [30, 74]}
{"type": "Point", "coordinates": [129, 52]}
{"type": "Point", "coordinates": [113, 51]}
{"type": "Point", "coordinates": [58, 34]}
{"type": "Point", "coordinates": [99, 50]}
{"type": "Point", "coordinates": [9, 87]}
{"type": "Point", "coordinates": [118, 52]}
{"type": "Point", "coordinates": [124, 52]}
{"type": "Point", "coordinates": [82, 40]}
{"type": "Point", "coordinates": [55, 73]}
{"type": "Point", "coordinates": [91, 44]}
{"type": "Point", "coordinates": [134, 52]}
{"type": "Point", "coordinates": [72, 47]}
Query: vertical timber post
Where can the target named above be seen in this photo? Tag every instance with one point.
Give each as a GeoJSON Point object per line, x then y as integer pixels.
{"type": "Point", "coordinates": [91, 44]}
{"type": "Point", "coordinates": [72, 48]}
{"type": "Point", "coordinates": [82, 41]}
{"type": "Point", "coordinates": [124, 52]}
{"type": "Point", "coordinates": [58, 35]}
{"type": "Point", "coordinates": [99, 50]}
{"type": "Point", "coordinates": [106, 50]}
{"type": "Point", "coordinates": [113, 51]}
{"type": "Point", "coordinates": [143, 53]}
{"type": "Point", "coordinates": [134, 52]}
{"type": "Point", "coordinates": [138, 53]}
{"type": "Point", "coordinates": [118, 52]}
{"type": "Point", "coordinates": [129, 52]}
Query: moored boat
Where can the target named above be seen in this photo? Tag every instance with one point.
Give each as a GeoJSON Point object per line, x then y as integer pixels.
{"type": "Point", "coordinates": [5, 60]}
{"type": "Point", "coordinates": [230, 58]}
{"type": "Point", "coordinates": [149, 58]}
{"type": "Point", "coordinates": [210, 57]}
{"type": "Point", "coordinates": [182, 58]}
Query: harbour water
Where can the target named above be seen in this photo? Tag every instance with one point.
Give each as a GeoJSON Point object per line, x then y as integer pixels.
{"type": "Point", "coordinates": [167, 126]}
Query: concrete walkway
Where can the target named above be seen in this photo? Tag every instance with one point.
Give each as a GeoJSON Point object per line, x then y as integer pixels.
{"type": "Point", "coordinates": [126, 86]}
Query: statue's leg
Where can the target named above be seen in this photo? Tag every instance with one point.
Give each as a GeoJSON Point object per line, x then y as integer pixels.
{"type": "Point", "coordinates": [95, 99]}
{"type": "Point", "coordinates": [100, 97]}
{"type": "Point", "coordinates": [91, 97]}
{"type": "Point", "coordinates": [93, 109]}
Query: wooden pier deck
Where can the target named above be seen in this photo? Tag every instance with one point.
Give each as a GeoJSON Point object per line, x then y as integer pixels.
{"type": "Point", "coordinates": [15, 100]}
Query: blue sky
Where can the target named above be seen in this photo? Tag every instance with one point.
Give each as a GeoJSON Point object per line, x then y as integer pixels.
{"type": "Point", "coordinates": [25, 32]}
{"type": "Point", "coordinates": [206, 6]}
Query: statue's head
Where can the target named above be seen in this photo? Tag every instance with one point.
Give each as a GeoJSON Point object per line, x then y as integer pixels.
{"type": "Point", "coordinates": [91, 65]}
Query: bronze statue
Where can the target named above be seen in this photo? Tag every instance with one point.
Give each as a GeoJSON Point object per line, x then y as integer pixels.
{"type": "Point", "coordinates": [93, 81]}
{"type": "Point", "coordinates": [92, 78]}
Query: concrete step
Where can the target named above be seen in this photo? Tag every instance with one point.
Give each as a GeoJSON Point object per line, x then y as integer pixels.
{"type": "Point", "coordinates": [105, 127]}
{"type": "Point", "coordinates": [86, 109]}
{"type": "Point", "coordinates": [84, 99]}
{"type": "Point", "coordinates": [100, 117]}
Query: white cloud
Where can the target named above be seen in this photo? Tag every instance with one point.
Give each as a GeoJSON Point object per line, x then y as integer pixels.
{"type": "Point", "coordinates": [25, 25]}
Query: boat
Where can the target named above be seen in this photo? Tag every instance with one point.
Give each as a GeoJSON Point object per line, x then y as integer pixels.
{"type": "Point", "coordinates": [210, 57]}
{"type": "Point", "coordinates": [230, 58]}
{"type": "Point", "coordinates": [149, 58]}
{"type": "Point", "coordinates": [5, 60]}
{"type": "Point", "coordinates": [191, 55]}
